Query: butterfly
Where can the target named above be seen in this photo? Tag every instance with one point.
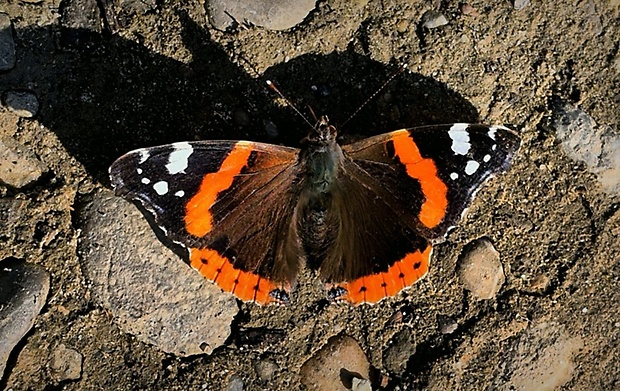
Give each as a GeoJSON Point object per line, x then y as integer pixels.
{"type": "Point", "coordinates": [363, 216]}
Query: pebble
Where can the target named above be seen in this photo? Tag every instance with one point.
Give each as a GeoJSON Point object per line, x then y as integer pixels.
{"type": "Point", "coordinates": [480, 270]}
{"type": "Point", "coordinates": [235, 383]}
{"type": "Point", "coordinates": [23, 292]}
{"type": "Point", "coordinates": [335, 365]}
{"type": "Point", "coordinates": [447, 325]}
{"type": "Point", "coordinates": [520, 4]}
{"type": "Point", "coordinates": [402, 347]}
{"type": "Point", "coordinates": [433, 19]}
{"type": "Point", "coordinates": [150, 292]}
{"type": "Point", "coordinates": [598, 147]}
{"type": "Point", "coordinates": [270, 14]}
{"type": "Point", "coordinates": [360, 384]}
{"type": "Point", "coordinates": [66, 364]}
{"type": "Point", "coordinates": [19, 167]}
{"type": "Point", "coordinates": [265, 369]}
{"type": "Point", "coordinates": [468, 9]}
{"type": "Point", "coordinates": [402, 26]}
{"type": "Point", "coordinates": [23, 103]}
{"type": "Point", "coordinates": [540, 358]}
{"type": "Point", "coordinates": [7, 44]}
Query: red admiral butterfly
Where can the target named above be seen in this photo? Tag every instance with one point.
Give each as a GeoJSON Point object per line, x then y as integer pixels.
{"type": "Point", "coordinates": [361, 215]}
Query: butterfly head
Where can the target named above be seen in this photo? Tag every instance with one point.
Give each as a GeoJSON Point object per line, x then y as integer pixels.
{"type": "Point", "coordinates": [323, 132]}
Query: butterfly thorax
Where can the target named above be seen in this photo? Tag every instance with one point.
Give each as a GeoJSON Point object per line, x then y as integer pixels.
{"type": "Point", "coordinates": [321, 157]}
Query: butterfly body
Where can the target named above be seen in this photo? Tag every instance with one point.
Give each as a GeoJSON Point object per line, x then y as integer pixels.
{"type": "Point", "coordinates": [362, 215]}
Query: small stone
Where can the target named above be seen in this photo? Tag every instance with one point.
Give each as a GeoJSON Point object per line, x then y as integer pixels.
{"type": "Point", "coordinates": [23, 103]}
{"type": "Point", "coordinates": [467, 9]}
{"type": "Point", "coordinates": [542, 357]}
{"type": "Point", "coordinates": [235, 383]}
{"type": "Point", "coordinates": [7, 44]}
{"type": "Point", "coordinates": [335, 365]}
{"type": "Point", "coordinates": [397, 355]}
{"type": "Point", "coordinates": [447, 325]}
{"type": "Point", "coordinates": [598, 147]}
{"type": "Point", "coordinates": [66, 364]}
{"type": "Point", "coordinates": [433, 19]}
{"type": "Point", "coordinates": [265, 369]}
{"type": "Point", "coordinates": [23, 292]}
{"type": "Point", "coordinates": [360, 384]}
{"type": "Point", "coordinates": [480, 270]}
{"type": "Point", "coordinates": [270, 14]}
{"type": "Point", "coordinates": [402, 26]}
{"type": "Point", "coordinates": [19, 167]}
{"type": "Point", "coordinates": [520, 4]}
{"type": "Point", "coordinates": [159, 299]}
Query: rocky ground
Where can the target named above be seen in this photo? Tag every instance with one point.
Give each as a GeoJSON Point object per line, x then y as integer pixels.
{"type": "Point", "coordinates": [523, 294]}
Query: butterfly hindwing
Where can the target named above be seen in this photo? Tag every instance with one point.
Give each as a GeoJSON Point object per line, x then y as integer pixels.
{"type": "Point", "coordinates": [231, 204]}
{"type": "Point", "coordinates": [398, 192]}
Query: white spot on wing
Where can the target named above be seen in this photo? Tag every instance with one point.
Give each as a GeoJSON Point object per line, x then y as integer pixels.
{"type": "Point", "coordinates": [161, 187]}
{"type": "Point", "coordinates": [486, 158]}
{"type": "Point", "coordinates": [492, 131]}
{"type": "Point", "coordinates": [454, 176]}
{"type": "Point", "coordinates": [460, 138]}
{"type": "Point", "coordinates": [471, 167]}
{"type": "Point", "coordinates": [139, 171]}
{"type": "Point", "coordinates": [146, 181]}
{"type": "Point", "coordinates": [144, 154]}
{"type": "Point", "coordinates": [494, 147]}
{"type": "Point", "coordinates": [179, 193]}
{"type": "Point", "coordinates": [177, 161]}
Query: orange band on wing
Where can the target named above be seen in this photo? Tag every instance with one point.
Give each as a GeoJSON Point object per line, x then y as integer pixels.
{"type": "Point", "coordinates": [245, 285]}
{"type": "Point", "coordinates": [424, 170]}
{"type": "Point", "coordinates": [405, 272]}
{"type": "Point", "coordinates": [198, 217]}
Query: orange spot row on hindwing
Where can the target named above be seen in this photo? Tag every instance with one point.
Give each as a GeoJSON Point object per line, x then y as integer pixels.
{"type": "Point", "coordinates": [424, 170]}
{"type": "Point", "coordinates": [245, 285]}
{"type": "Point", "coordinates": [198, 217]}
{"type": "Point", "coordinates": [405, 272]}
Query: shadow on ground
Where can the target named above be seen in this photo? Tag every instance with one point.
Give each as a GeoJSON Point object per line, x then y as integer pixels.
{"type": "Point", "coordinates": [103, 96]}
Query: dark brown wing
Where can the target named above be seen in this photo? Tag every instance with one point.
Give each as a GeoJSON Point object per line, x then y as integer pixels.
{"type": "Point", "coordinates": [231, 204]}
{"type": "Point", "coordinates": [399, 191]}
{"type": "Point", "coordinates": [375, 252]}
{"type": "Point", "coordinates": [434, 171]}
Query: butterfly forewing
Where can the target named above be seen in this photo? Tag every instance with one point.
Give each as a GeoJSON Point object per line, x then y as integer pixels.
{"type": "Point", "coordinates": [201, 195]}
{"type": "Point", "coordinates": [434, 171]}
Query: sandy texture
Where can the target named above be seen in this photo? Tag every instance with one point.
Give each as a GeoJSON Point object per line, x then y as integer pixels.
{"type": "Point", "coordinates": [111, 76]}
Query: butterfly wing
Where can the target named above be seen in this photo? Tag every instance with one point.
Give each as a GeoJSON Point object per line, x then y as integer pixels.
{"type": "Point", "coordinates": [231, 204]}
{"type": "Point", "coordinates": [405, 189]}
{"type": "Point", "coordinates": [436, 170]}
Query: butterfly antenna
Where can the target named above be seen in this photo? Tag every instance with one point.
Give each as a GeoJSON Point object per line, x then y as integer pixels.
{"type": "Point", "coordinates": [288, 102]}
{"type": "Point", "coordinates": [400, 70]}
